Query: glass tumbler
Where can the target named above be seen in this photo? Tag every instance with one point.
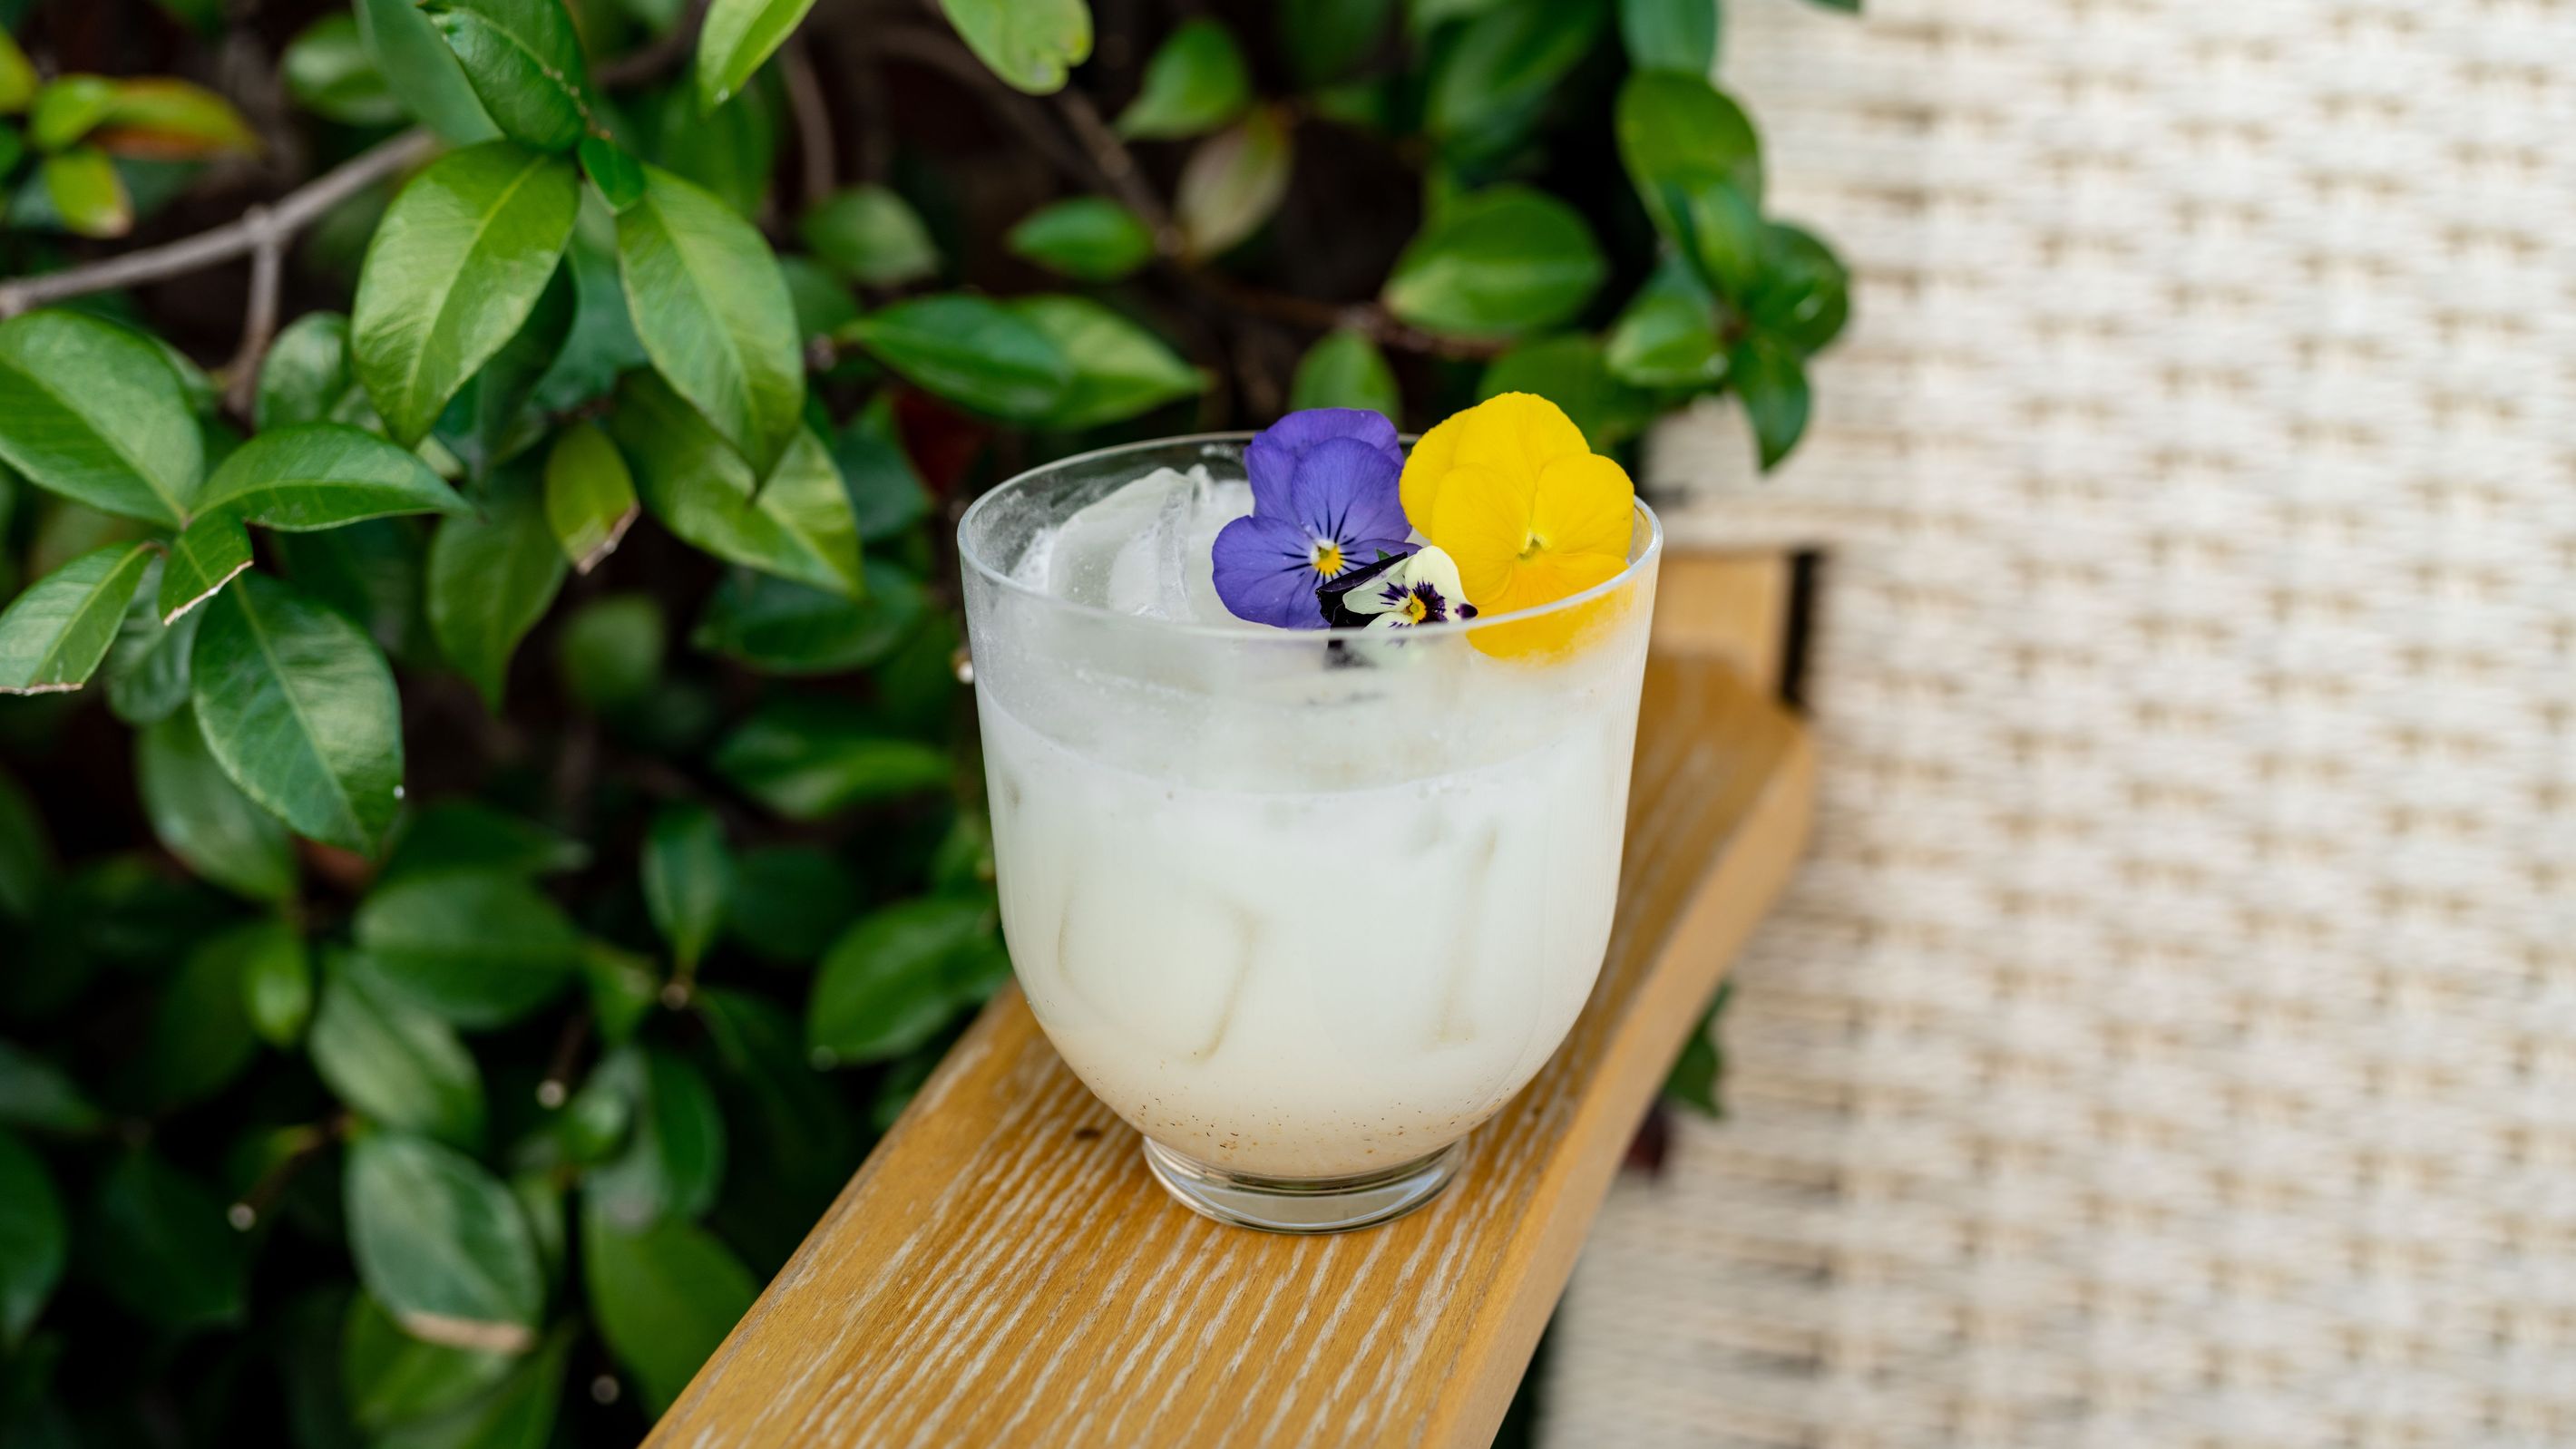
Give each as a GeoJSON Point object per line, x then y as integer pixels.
{"type": "Point", "coordinates": [1302, 906]}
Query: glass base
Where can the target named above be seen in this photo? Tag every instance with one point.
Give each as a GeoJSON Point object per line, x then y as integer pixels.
{"type": "Point", "coordinates": [1303, 1204]}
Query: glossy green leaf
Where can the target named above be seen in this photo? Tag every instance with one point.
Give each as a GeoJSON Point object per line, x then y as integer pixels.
{"type": "Point", "coordinates": [664, 1298]}
{"type": "Point", "coordinates": [204, 819]}
{"type": "Point", "coordinates": [1344, 369]}
{"type": "Point", "coordinates": [787, 628]}
{"type": "Point", "coordinates": [823, 302]}
{"type": "Point", "coordinates": [590, 496]}
{"type": "Point", "coordinates": [33, 1236]}
{"type": "Point", "coordinates": [86, 193]}
{"type": "Point", "coordinates": [277, 988]}
{"type": "Point", "coordinates": [209, 553]}
{"type": "Point", "coordinates": [523, 59]}
{"type": "Point", "coordinates": [790, 1124]}
{"type": "Point", "coordinates": [1119, 369]}
{"type": "Point", "coordinates": [886, 493]}
{"type": "Point", "coordinates": [601, 347]}
{"type": "Point", "coordinates": [1677, 129]}
{"type": "Point", "coordinates": [477, 948]}
{"type": "Point", "coordinates": [34, 1093]}
{"type": "Point", "coordinates": [1195, 82]}
{"type": "Point", "coordinates": [1504, 260]}
{"type": "Point", "coordinates": [66, 109]}
{"type": "Point", "coordinates": [887, 984]}
{"type": "Point", "coordinates": [687, 871]}
{"type": "Point", "coordinates": [1667, 336]}
{"type": "Point", "coordinates": [798, 527]}
{"type": "Point", "coordinates": [491, 578]}
{"type": "Point", "coordinates": [422, 72]}
{"type": "Point", "coordinates": [18, 78]}
{"type": "Point", "coordinates": [789, 902]}
{"type": "Point", "coordinates": [674, 1160]}
{"type": "Point", "coordinates": [806, 762]}
{"type": "Point", "coordinates": [738, 35]}
{"type": "Point", "coordinates": [53, 636]}
{"type": "Point", "coordinates": [972, 351]}
{"type": "Point", "coordinates": [1773, 383]}
{"type": "Point", "coordinates": [518, 1413]}
{"type": "Point", "coordinates": [322, 475]}
{"type": "Point", "coordinates": [1701, 1068]}
{"type": "Point", "coordinates": [1089, 238]}
{"type": "Point", "coordinates": [623, 987]}
{"type": "Point", "coordinates": [1674, 35]}
{"type": "Point", "coordinates": [1505, 60]}
{"type": "Point", "coordinates": [870, 235]}
{"type": "Point", "coordinates": [1569, 372]}
{"type": "Point", "coordinates": [455, 268]}
{"type": "Point", "coordinates": [1232, 183]}
{"type": "Point", "coordinates": [147, 666]}
{"type": "Point", "coordinates": [1719, 233]}
{"type": "Point", "coordinates": [489, 421]}
{"type": "Point", "coordinates": [329, 73]}
{"type": "Point", "coordinates": [1029, 43]}
{"type": "Point", "coordinates": [370, 573]}
{"type": "Point", "coordinates": [1802, 295]}
{"type": "Point", "coordinates": [163, 1248]}
{"type": "Point", "coordinates": [90, 411]}
{"type": "Point", "coordinates": [731, 151]}
{"type": "Point", "coordinates": [714, 315]}
{"type": "Point", "coordinates": [468, 834]}
{"type": "Point", "coordinates": [306, 377]}
{"type": "Point", "coordinates": [442, 1244]}
{"type": "Point", "coordinates": [162, 118]}
{"type": "Point", "coordinates": [200, 1036]}
{"type": "Point", "coordinates": [395, 1063]}
{"type": "Point", "coordinates": [614, 170]}
{"type": "Point", "coordinates": [393, 1379]}
{"type": "Point", "coordinates": [610, 651]}
{"type": "Point", "coordinates": [299, 708]}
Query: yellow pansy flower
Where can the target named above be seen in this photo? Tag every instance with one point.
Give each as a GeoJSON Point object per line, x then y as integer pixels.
{"type": "Point", "coordinates": [1510, 489]}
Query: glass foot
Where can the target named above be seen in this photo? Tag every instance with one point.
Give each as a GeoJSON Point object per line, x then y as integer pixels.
{"type": "Point", "coordinates": [1303, 1204]}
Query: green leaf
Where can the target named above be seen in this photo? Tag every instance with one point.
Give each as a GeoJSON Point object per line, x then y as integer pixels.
{"type": "Point", "coordinates": [1667, 337]}
{"type": "Point", "coordinates": [1344, 369]}
{"type": "Point", "coordinates": [524, 62]}
{"type": "Point", "coordinates": [198, 814]}
{"type": "Point", "coordinates": [67, 109]}
{"type": "Point", "coordinates": [1196, 82]}
{"type": "Point", "coordinates": [1674, 35]}
{"type": "Point", "coordinates": [623, 987]}
{"type": "Point", "coordinates": [394, 1063]}
{"type": "Point", "coordinates": [1029, 43]}
{"type": "Point", "coordinates": [610, 651]}
{"type": "Point", "coordinates": [161, 118]}
{"type": "Point", "coordinates": [1773, 383]}
{"type": "Point", "coordinates": [277, 988]}
{"type": "Point", "coordinates": [1720, 234]}
{"type": "Point", "coordinates": [491, 579]}
{"type": "Point", "coordinates": [590, 496]}
{"type": "Point", "coordinates": [92, 412]}
{"type": "Point", "coordinates": [53, 635]}
{"type": "Point", "coordinates": [12, 149]}
{"type": "Point", "coordinates": [886, 495]}
{"type": "Point", "coordinates": [488, 422]}
{"type": "Point", "coordinates": [786, 628]}
{"type": "Point", "coordinates": [209, 553]}
{"type": "Point", "coordinates": [455, 268]}
{"type": "Point", "coordinates": [468, 834]}
{"type": "Point", "coordinates": [674, 1160]}
{"type": "Point", "coordinates": [87, 194]}
{"type": "Point", "coordinates": [730, 152]}
{"type": "Point", "coordinates": [330, 73]}
{"type": "Point", "coordinates": [34, 1093]}
{"type": "Point", "coordinates": [687, 871]}
{"type": "Point", "coordinates": [163, 1248]}
{"type": "Point", "coordinates": [972, 351]}
{"type": "Point", "coordinates": [806, 761]}
{"type": "Point", "coordinates": [1677, 129]}
{"type": "Point", "coordinates": [887, 985]}
{"type": "Point", "coordinates": [1326, 39]}
{"type": "Point", "coordinates": [442, 1244]}
{"type": "Point", "coordinates": [1119, 369]}
{"type": "Point", "coordinates": [1569, 372]}
{"type": "Point", "coordinates": [614, 170]}
{"type": "Point", "coordinates": [369, 572]}
{"type": "Point", "coordinates": [306, 377]}
{"type": "Point", "coordinates": [307, 476]}
{"type": "Point", "coordinates": [1089, 238]}
{"type": "Point", "coordinates": [788, 902]}
{"type": "Point", "coordinates": [147, 666]}
{"type": "Point", "coordinates": [1505, 60]}
{"type": "Point", "coordinates": [822, 300]}
{"type": "Point", "coordinates": [798, 526]}
{"type": "Point", "coordinates": [18, 79]}
{"type": "Point", "coordinates": [1232, 183]}
{"type": "Point", "coordinates": [738, 35]}
{"type": "Point", "coordinates": [423, 73]}
{"type": "Point", "coordinates": [1504, 260]}
{"type": "Point", "coordinates": [200, 1035]}
{"type": "Point", "coordinates": [870, 235]}
{"type": "Point", "coordinates": [299, 708]}
{"type": "Point", "coordinates": [714, 315]}
{"type": "Point", "coordinates": [1697, 1073]}
{"type": "Point", "coordinates": [393, 1379]}
{"type": "Point", "coordinates": [664, 1298]}
{"type": "Point", "coordinates": [1803, 295]}
{"type": "Point", "coordinates": [601, 346]}
{"type": "Point", "coordinates": [477, 948]}
{"type": "Point", "coordinates": [32, 1238]}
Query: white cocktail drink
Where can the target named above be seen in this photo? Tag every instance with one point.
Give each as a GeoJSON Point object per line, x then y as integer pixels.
{"type": "Point", "coordinates": [1296, 904]}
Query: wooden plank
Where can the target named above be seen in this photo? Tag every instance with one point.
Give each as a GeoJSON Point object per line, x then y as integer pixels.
{"type": "Point", "coordinates": [1729, 606]}
{"type": "Point", "coordinates": [1003, 1271]}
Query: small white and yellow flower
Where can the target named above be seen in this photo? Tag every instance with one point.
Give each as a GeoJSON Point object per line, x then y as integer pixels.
{"type": "Point", "coordinates": [1419, 588]}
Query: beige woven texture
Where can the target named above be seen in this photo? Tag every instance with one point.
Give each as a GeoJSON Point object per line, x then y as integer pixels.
{"type": "Point", "coordinates": [2172, 1040]}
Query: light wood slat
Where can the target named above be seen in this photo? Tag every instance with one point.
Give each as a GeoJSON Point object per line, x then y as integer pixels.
{"type": "Point", "coordinates": [1003, 1271]}
{"type": "Point", "coordinates": [1728, 606]}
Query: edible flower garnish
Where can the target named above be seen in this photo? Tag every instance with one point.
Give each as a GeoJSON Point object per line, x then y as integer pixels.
{"type": "Point", "coordinates": [1398, 593]}
{"type": "Point", "coordinates": [1324, 500]}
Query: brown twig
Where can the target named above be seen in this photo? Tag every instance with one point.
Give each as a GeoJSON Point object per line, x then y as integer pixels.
{"type": "Point", "coordinates": [290, 214]}
{"type": "Point", "coordinates": [246, 1211]}
{"type": "Point", "coordinates": [259, 317]}
{"type": "Point", "coordinates": [818, 165]}
{"type": "Point", "coordinates": [1118, 169]}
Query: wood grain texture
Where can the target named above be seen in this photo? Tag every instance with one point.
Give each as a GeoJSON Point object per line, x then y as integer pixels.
{"type": "Point", "coordinates": [1003, 1271]}
{"type": "Point", "coordinates": [1729, 606]}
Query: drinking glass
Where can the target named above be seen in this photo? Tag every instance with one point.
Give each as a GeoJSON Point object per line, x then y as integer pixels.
{"type": "Point", "coordinates": [1303, 907]}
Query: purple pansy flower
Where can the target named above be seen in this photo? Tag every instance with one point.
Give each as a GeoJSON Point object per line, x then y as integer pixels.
{"type": "Point", "coordinates": [1323, 502]}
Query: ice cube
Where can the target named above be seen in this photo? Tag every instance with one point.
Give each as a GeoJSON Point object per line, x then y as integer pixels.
{"type": "Point", "coordinates": [1145, 548]}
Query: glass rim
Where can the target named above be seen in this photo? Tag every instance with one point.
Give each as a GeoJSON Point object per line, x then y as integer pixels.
{"type": "Point", "coordinates": [1242, 629]}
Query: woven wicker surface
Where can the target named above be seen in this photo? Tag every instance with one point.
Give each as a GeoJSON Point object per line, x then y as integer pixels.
{"type": "Point", "coordinates": [2173, 1038]}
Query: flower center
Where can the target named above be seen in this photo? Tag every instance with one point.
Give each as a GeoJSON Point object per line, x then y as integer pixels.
{"type": "Point", "coordinates": [1327, 557]}
{"type": "Point", "coordinates": [1532, 545]}
{"type": "Point", "coordinates": [1415, 609]}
